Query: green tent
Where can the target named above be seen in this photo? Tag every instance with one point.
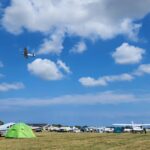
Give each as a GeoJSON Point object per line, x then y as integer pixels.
{"type": "Point", "coordinates": [20, 130]}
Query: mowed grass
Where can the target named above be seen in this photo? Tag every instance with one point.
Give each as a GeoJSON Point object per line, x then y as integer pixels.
{"type": "Point", "coordinates": [79, 141]}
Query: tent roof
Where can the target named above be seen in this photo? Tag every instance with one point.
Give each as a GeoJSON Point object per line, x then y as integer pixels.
{"type": "Point", "coordinates": [20, 130]}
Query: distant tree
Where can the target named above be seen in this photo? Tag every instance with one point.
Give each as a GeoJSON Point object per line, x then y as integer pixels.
{"type": "Point", "coordinates": [85, 126]}
{"type": "Point", "coordinates": [79, 127]}
{"type": "Point", "coordinates": [57, 125]}
{"type": "Point", "coordinates": [1, 122]}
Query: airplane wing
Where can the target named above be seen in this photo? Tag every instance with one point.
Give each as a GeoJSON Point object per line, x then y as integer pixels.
{"type": "Point", "coordinates": [144, 124]}
{"type": "Point", "coordinates": [122, 124]}
{"type": "Point", "coordinates": [6, 126]}
{"type": "Point", "coordinates": [34, 128]}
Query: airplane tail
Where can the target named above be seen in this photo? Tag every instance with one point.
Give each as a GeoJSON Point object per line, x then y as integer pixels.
{"type": "Point", "coordinates": [132, 123]}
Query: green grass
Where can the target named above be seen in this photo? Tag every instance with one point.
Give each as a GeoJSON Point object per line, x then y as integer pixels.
{"type": "Point", "coordinates": [79, 141]}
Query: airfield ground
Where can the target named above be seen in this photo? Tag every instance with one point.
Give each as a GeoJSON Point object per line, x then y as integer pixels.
{"type": "Point", "coordinates": [79, 141]}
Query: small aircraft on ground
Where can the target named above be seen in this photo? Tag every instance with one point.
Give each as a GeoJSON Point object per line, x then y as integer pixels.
{"type": "Point", "coordinates": [28, 54]}
{"type": "Point", "coordinates": [5, 127]}
{"type": "Point", "coordinates": [36, 128]}
{"type": "Point", "coordinates": [134, 127]}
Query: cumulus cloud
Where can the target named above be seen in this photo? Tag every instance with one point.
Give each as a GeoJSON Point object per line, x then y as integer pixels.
{"type": "Point", "coordinates": [143, 69]}
{"type": "Point", "coordinates": [47, 69]}
{"type": "Point", "coordinates": [79, 48]}
{"type": "Point", "coordinates": [52, 45]}
{"type": "Point", "coordinates": [105, 80]}
{"type": "Point", "coordinates": [63, 66]}
{"type": "Point", "coordinates": [128, 54]}
{"type": "Point", "coordinates": [86, 18]}
{"type": "Point", "coordinates": [130, 29]}
{"type": "Point", "coordinates": [11, 86]}
{"type": "Point", "coordinates": [89, 81]}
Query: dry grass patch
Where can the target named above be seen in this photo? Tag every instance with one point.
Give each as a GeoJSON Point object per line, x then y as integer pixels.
{"type": "Point", "coordinates": [79, 141]}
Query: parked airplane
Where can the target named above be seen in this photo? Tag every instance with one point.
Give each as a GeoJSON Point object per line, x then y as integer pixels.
{"type": "Point", "coordinates": [65, 129]}
{"type": "Point", "coordinates": [134, 127]}
{"type": "Point", "coordinates": [27, 54]}
{"type": "Point", "coordinates": [109, 129]}
{"type": "Point", "coordinates": [5, 127]}
{"type": "Point", "coordinates": [36, 128]}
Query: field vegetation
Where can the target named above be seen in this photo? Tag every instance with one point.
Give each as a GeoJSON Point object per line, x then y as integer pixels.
{"type": "Point", "coordinates": [79, 141]}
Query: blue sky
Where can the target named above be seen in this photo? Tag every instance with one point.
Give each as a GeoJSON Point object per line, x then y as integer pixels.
{"type": "Point", "coordinates": [91, 66]}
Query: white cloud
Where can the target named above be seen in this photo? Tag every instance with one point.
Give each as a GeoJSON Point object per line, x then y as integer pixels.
{"type": "Point", "coordinates": [52, 45]}
{"type": "Point", "coordinates": [47, 69]}
{"type": "Point", "coordinates": [63, 66]}
{"type": "Point", "coordinates": [121, 77]}
{"type": "Point", "coordinates": [86, 18]}
{"type": "Point", "coordinates": [88, 81]}
{"type": "Point", "coordinates": [128, 54]}
{"type": "Point", "coordinates": [130, 29]}
{"type": "Point", "coordinates": [143, 69]}
{"type": "Point", "coordinates": [11, 86]}
{"type": "Point", "coordinates": [105, 80]}
{"type": "Point", "coordinates": [79, 48]}
{"type": "Point", "coordinates": [80, 99]}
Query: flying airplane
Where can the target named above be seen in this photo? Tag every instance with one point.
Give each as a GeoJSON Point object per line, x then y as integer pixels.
{"type": "Point", "coordinates": [27, 54]}
{"type": "Point", "coordinates": [134, 127]}
{"type": "Point", "coordinates": [5, 127]}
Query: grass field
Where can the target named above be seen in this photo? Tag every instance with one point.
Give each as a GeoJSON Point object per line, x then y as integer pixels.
{"type": "Point", "coordinates": [79, 141]}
